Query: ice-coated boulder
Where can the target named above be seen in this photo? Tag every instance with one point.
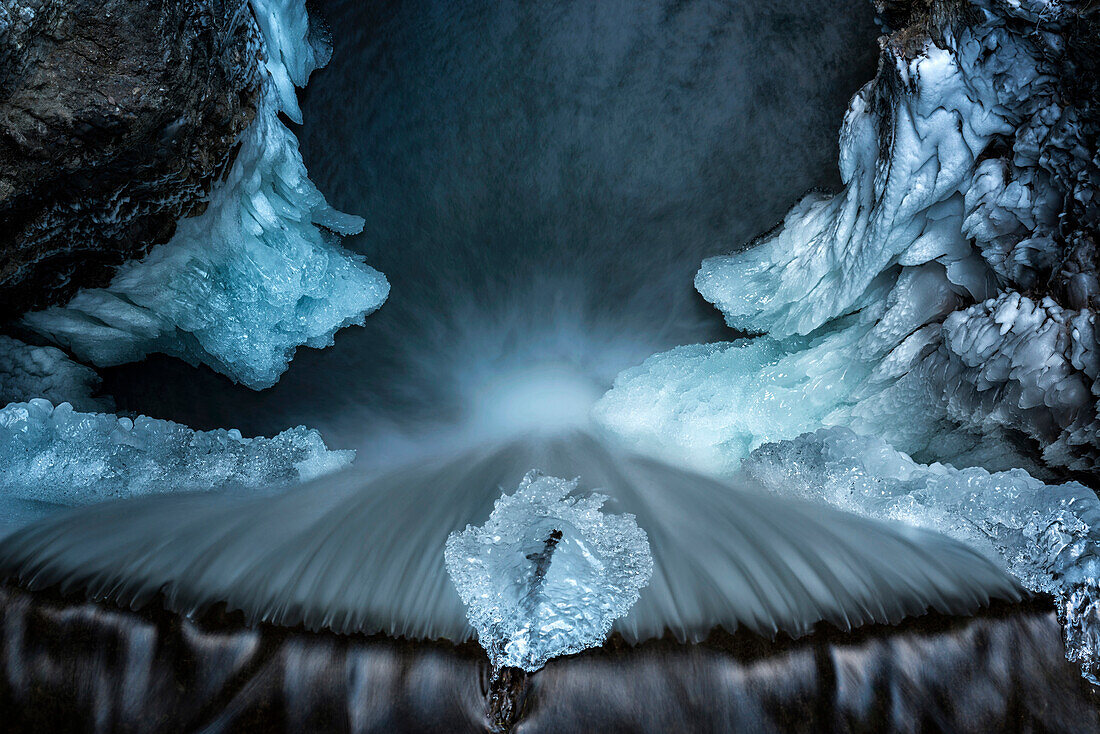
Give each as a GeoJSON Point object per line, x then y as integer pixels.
{"type": "Point", "coordinates": [548, 573]}
{"type": "Point", "coordinates": [118, 118]}
{"type": "Point", "coordinates": [259, 273]}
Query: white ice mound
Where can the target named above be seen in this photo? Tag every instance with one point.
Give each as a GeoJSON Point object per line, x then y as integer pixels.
{"type": "Point", "coordinates": [1047, 536]}
{"type": "Point", "coordinates": [46, 372]}
{"type": "Point", "coordinates": [60, 456]}
{"type": "Point", "coordinates": [548, 573]}
{"type": "Point", "coordinates": [259, 273]}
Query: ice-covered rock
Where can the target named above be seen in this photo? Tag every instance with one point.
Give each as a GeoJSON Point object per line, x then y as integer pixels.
{"type": "Point", "coordinates": [60, 456]}
{"type": "Point", "coordinates": [119, 118]}
{"type": "Point", "coordinates": [259, 273]}
{"type": "Point", "coordinates": [969, 175]}
{"type": "Point", "coordinates": [46, 372]}
{"type": "Point", "coordinates": [1047, 536]}
{"type": "Point", "coordinates": [548, 573]}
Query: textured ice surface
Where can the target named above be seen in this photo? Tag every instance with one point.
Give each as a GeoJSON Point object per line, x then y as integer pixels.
{"type": "Point", "coordinates": [914, 269]}
{"type": "Point", "coordinates": [60, 456]}
{"type": "Point", "coordinates": [1047, 536]}
{"type": "Point", "coordinates": [1009, 365]}
{"type": "Point", "coordinates": [46, 372]}
{"type": "Point", "coordinates": [259, 273]}
{"type": "Point", "coordinates": [709, 405]}
{"type": "Point", "coordinates": [548, 573]}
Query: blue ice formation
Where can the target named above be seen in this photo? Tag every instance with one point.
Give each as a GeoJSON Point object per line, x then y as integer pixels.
{"type": "Point", "coordinates": [46, 372]}
{"type": "Point", "coordinates": [1047, 536]}
{"type": "Point", "coordinates": [708, 405]}
{"type": "Point", "coordinates": [259, 273]}
{"type": "Point", "coordinates": [60, 456]}
{"type": "Point", "coordinates": [897, 306]}
{"type": "Point", "coordinates": [548, 573]}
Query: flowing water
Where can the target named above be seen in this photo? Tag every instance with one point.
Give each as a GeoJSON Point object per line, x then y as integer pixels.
{"type": "Point", "coordinates": [998, 672]}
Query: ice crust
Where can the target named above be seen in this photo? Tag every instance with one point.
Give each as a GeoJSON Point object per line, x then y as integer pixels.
{"type": "Point", "coordinates": [46, 372]}
{"type": "Point", "coordinates": [60, 456]}
{"type": "Point", "coordinates": [259, 273]}
{"type": "Point", "coordinates": [1047, 536]}
{"type": "Point", "coordinates": [548, 574]}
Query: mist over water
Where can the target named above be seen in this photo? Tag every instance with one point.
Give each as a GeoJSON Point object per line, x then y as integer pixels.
{"type": "Point", "coordinates": [539, 184]}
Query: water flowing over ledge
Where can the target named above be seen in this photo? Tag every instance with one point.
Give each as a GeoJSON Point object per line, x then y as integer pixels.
{"type": "Point", "coordinates": [360, 554]}
{"type": "Point", "coordinates": [883, 679]}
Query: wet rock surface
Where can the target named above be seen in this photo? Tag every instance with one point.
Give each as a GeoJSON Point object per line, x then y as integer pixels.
{"type": "Point", "coordinates": [85, 667]}
{"type": "Point", "coordinates": [115, 118]}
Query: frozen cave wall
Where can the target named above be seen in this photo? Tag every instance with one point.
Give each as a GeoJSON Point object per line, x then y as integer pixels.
{"type": "Point", "coordinates": [945, 298]}
{"type": "Point", "coordinates": [258, 271]}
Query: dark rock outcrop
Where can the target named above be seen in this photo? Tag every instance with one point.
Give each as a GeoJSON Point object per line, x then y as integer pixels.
{"type": "Point", "coordinates": [115, 118]}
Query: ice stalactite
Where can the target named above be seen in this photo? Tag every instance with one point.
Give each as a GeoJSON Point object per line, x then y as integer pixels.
{"type": "Point", "coordinates": [259, 273]}
{"type": "Point", "coordinates": [548, 573]}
